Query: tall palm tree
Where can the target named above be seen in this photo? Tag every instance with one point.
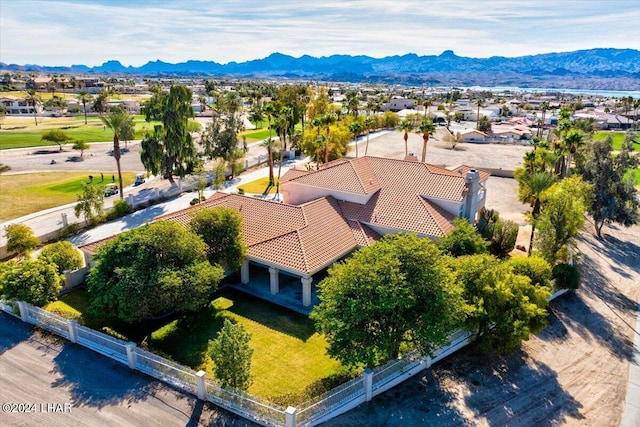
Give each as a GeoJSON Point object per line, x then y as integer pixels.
{"type": "Point", "coordinates": [115, 121]}
{"type": "Point", "coordinates": [368, 124]}
{"type": "Point", "coordinates": [531, 186]}
{"type": "Point", "coordinates": [327, 120]}
{"type": "Point", "coordinates": [479, 103]}
{"type": "Point", "coordinates": [406, 126]}
{"type": "Point", "coordinates": [33, 99]}
{"type": "Point", "coordinates": [427, 128]}
{"type": "Point", "coordinates": [571, 141]}
{"type": "Point", "coordinates": [84, 97]}
{"type": "Point", "coordinates": [355, 128]}
{"type": "Point", "coordinates": [544, 107]}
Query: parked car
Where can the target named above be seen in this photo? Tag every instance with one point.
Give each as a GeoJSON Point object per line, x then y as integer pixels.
{"type": "Point", "coordinates": [110, 190]}
{"type": "Point", "coordinates": [139, 179]}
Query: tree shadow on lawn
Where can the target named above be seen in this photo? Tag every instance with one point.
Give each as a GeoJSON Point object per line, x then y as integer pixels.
{"type": "Point", "coordinates": [186, 338]}
{"type": "Point", "coordinates": [270, 315]}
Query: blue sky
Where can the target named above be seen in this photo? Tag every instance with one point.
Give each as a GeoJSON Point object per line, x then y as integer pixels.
{"type": "Point", "coordinates": [57, 32]}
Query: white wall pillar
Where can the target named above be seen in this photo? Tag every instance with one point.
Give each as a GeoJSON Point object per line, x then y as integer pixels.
{"type": "Point", "coordinates": [73, 331]}
{"type": "Point", "coordinates": [131, 354]}
{"type": "Point", "coordinates": [202, 390]}
{"type": "Point", "coordinates": [157, 193]}
{"type": "Point", "coordinates": [306, 290]}
{"type": "Point", "coordinates": [24, 311]}
{"type": "Point", "coordinates": [244, 272]}
{"type": "Point", "coordinates": [65, 222]}
{"type": "Point", "coordinates": [367, 380]}
{"type": "Point", "coordinates": [290, 414]}
{"type": "Point", "coordinates": [274, 280]}
{"type": "Point", "coordinates": [130, 197]}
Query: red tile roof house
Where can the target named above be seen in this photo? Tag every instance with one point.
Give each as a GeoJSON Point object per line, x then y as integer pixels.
{"type": "Point", "coordinates": [329, 213]}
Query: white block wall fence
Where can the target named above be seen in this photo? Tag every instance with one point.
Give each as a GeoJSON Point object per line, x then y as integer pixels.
{"type": "Point", "coordinates": [329, 405]}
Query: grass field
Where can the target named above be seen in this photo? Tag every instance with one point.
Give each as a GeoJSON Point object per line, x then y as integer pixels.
{"type": "Point", "coordinates": [635, 171]}
{"type": "Point", "coordinates": [289, 359]}
{"type": "Point", "coordinates": [22, 194]}
{"type": "Point", "coordinates": [618, 138]}
{"type": "Point", "coordinates": [257, 135]}
{"type": "Point", "coordinates": [21, 132]}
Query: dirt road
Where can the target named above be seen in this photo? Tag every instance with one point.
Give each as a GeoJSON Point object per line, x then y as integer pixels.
{"type": "Point", "coordinates": [573, 374]}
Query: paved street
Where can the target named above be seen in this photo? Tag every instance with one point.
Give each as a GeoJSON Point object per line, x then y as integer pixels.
{"type": "Point", "coordinates": [74, 386]}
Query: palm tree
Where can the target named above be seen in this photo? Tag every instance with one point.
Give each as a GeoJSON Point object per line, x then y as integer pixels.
{"type": "Point", "coordinates": [544, 107]}
{"type": "Point", "coordinates": [115, 121]}
{"type": "Point", "coordinates": [406, 126]}
{"type": "Point", "coordinates": [84, 97]}
{"type": "Point", "coordinates": [33, 99]}
{"type": "Point", "coordinates": [427, 128]}
{"type": "Point", "coordinates": [355, 128]}
{"type": "Point", "coordinates": [531, 187]}
{"type": "Point", "coordinates": [571, 141]}
{"type": "Point", "coordinates": [479, 103]}
{"type": "Point", "coordinates": [368, 124]}
{"type": "Point", "coordinates": [327, 120]}
{"type": "Point", "coordinates": [269, 110]}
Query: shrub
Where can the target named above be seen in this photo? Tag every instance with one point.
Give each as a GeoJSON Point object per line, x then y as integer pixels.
{"type": "Point", "coordinates": [36, 282]}
{"type": "Point", "coordinates": [20, 239]}
{"type": "Point", "coordinates": [567, 276]}
{"type": "Point", "coordinates": [63, 310]}
{"type": "Point", "coordinates": [69, 230]}
{"type": "Point", "coordinates": [63, 255]}
{"type": "Point", "coordinates": [534, 267]}
{"type": "Point", "coordinates": [121, 208]}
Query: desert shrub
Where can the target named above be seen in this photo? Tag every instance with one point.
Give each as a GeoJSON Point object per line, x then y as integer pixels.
{"type": "Point", "coordinates": [534, 267]}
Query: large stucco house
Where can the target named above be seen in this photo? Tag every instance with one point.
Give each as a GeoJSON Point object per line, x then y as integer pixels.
{"type": "Point", "coordinates": [347, 204]}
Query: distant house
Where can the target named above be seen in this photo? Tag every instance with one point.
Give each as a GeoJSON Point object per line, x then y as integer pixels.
{"type": "Point", "coordinates": [329, 213]}
{"type": "Point", "coordinates": [16, 105]}
{"type": "Point", "coordinates": [397, 104]}
{"type": "Point", "coordinates": [473, 135]}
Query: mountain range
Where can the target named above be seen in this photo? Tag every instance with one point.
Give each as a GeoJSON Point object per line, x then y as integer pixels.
{"type": "Point", "coordinates": [612, 69]}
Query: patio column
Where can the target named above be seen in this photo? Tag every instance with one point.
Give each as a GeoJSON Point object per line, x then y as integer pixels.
{"type": "Point", "coordinates": [274, 280]}
{"type": "Point", "coordinates": [244, 272]}
{"type": "Point", "coordinates": [306, 290]}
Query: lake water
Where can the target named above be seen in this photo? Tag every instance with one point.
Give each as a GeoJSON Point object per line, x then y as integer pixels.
{"type": "Point", "coordinates": [590, 92]}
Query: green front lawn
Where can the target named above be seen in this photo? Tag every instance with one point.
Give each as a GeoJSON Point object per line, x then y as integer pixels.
{"type": "Point", "coordinates": [258, 186]}
{"type": "Point", "coordinates": [636, 172]}
{"type": "Point", "coordinates": [289, 362]}
{"type": "Point", "coordinates": [257, 135]}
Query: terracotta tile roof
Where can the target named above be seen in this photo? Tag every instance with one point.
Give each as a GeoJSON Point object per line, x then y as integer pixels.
{"type": "Point", "coordinates": [364, 235]}
{"type": "Point", "coordinates": [353, 176]}
{"type": "Point", "coordinates": [291, 237]}
{"type": "Point", "coordinates": [292, 174]}
{"type": "Point", "coordinates": [92, 247]}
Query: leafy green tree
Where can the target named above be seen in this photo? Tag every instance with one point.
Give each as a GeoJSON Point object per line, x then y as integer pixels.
{"type": "Point", "coordinates": [56, 136]}
{"type": "Point", "coordinates": [503, 308]}
{"type": "Point", "coordinates": [90, 202]}
{"type": "Point", "coordinates": [150, 271]}
{"type": "Point", "coordinates": [220, 138]}
{"type": "Point", "coordinates": [231, 355]}
{"type": "Point", "coordinates": [170, 149]}
{"type": "Point", "coordinates": [63, 255]}
{"type": "Point", "coordinates": [501, 234]}
{"type": "Point", "coordinates": [561, 219]}
{"type": "Point", "coordinates": [427, 129]}
{"type": "Point", "coordinates": [81, 146]}
{"type": "Point", "coordinates": [221, 229]}
{"type": "Point", "coordinates": [571, 141]}
{"type": "Point", "coordinates": [20, 239]}
{"type": "Point", "coordinates": [395, 294]}
{"type": "Point", "coordinates": [463, 239]}
{"type": "Point", "coordinates": [32, 281]}
{"type": "Point", "coordinates": [613, 198]}
{"type": "Point", "coordinates": [534, 267]}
